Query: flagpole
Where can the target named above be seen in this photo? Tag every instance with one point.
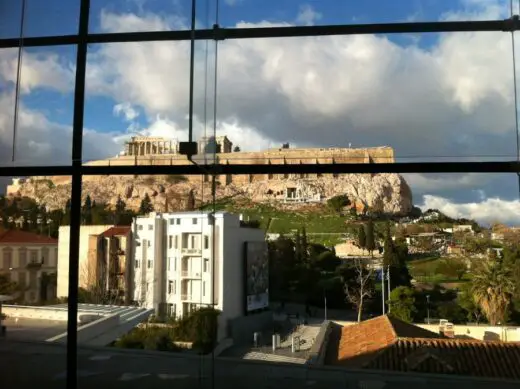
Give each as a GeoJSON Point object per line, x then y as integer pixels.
{"type": "Point", "coordinates": [388, 277]}
{"type": "Point", "coordinates": [383, 286]}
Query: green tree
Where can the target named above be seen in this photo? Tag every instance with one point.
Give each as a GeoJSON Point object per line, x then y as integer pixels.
{"type": "Point", "coordinates": [304, 245]}
{"type": "Point", "coordinates": [66, 214]}
{"type": "Point", "coordinates": [86, 211]}
{"type": "Point", "coordinates": [337, 203]}
{"type": "Point", "coordinates": [452, 311]}
{"type": "Point", "coordinates": [453, 267]}
{"type": "Point", "coordinates": [236, 149]}
{"type": "Point", "coordinates": [362, 237]}
{"type": "Point", "coordinates": [370, 242]}
{"type": "Point", "coordinates": [121, 214]}
{"type": "Point", "coordinates": [298, 247]}
{"type": "Point", "coordinates": [493, 289]}
{"type": "Point", "coordinates": [389, 253]}
{"type": "Point", "coordinates": [146, 205]}
{"type": "Point", "coordinates": [467, 302]}
{"type": "Point", "coordinates": [191, 201]}
{"type": "Point", "coordinates": [402, 303]}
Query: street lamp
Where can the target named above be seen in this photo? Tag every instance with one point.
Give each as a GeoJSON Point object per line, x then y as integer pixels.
{"type": "Point", "coordinates": [428, 306]}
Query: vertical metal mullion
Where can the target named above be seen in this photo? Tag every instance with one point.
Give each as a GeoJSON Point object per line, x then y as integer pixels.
{"type": "Point", "coordinates": [192, 68]}
{"type": "Point", "coordinates": [77, 144]}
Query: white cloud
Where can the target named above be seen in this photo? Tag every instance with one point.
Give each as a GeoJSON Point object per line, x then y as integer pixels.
{"type": "Point", "coordinates": [128, 112]}
{"type": "Point", "coordinates": [308, 15]}
{"type": "Point", "coordinates": [39, 70]}
{"type": "Point", "coordinates": [487, 212]}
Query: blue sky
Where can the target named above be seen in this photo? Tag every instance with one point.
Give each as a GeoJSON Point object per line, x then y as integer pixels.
{"type": "Point", "coordinates": [431, 95]}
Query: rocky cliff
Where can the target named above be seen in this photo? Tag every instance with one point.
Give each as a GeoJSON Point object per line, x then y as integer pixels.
{"type": "Point", "coordinates": [387, 193]}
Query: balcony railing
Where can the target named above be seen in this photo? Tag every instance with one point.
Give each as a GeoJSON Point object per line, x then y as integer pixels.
{"type": "Point", "coordinates": [186, 251]}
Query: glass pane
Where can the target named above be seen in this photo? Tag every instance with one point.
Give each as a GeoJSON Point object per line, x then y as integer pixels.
{"type": "Point", "coordinates": [120, 106]}
{"type": "Point", "coordinates": [31, 263]}
{"type": "Point", "coordinates": [40, 18]}
{"type": "Point", "coordinates": [43, 114]}
{"type": "Point", "coordinates": [240, 13]}
{"type": "Point", "coordinates": [131, 16]}
{"type": "Point", "coordinates": [369, 98]}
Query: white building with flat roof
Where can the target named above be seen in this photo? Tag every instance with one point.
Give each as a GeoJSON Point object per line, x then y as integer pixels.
{"type": "Point", "coordinates": [187, 260]}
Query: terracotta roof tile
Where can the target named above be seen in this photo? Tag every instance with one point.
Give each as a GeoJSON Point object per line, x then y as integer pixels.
{"type": "Point", "coordinates": [390, 344]}
{"type": "Point", "coordinates": [116, 231]}
{"type": "Point", "coordinates": [17, 236]}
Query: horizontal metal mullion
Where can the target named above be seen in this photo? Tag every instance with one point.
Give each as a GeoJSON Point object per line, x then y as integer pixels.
{"type": "Point", "coordinates": [271, 32]}
{"type": "Point", "coordinates": [60, 40]}
{"type": "Point", "coordinates": [354, 168]}
{"type": "Point", "coordinates": [359, 29]}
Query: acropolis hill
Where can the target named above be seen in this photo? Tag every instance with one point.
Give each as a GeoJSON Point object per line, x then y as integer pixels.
{"type": "Point", "coordinates": [383, 192]}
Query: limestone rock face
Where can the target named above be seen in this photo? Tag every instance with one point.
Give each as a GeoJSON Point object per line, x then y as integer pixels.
{"type": "Point", "coordinates": [388, 193]}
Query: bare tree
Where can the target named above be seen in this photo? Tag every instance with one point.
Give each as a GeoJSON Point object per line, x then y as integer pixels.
{"type": "Point", "coordinates": [360, 286]}
{"type": "Point", "coordinates": [92, 279]}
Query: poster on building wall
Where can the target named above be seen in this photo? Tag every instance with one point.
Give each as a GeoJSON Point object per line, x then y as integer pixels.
{"type": "Point", "coordinates": [257, 275]}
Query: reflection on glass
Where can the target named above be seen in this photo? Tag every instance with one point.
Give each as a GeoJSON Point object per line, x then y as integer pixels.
{"type": "Point", "coordinates": [36, 88]}
{"type": "Point", "coordinates": [32, 310]}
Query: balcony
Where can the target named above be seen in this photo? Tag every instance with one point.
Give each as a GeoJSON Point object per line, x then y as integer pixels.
{"type": "Point", "coordinates": [33, 265]}
{"type": "Point", "coordinates": [190, 274]}
{"type": "Point", "coordinates": [186, 251]}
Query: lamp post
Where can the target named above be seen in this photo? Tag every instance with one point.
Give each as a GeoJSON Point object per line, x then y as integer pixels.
{"type": "Point", "coordinates": [428, 306]}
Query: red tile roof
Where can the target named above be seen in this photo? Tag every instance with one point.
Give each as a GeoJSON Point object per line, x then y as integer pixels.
{"type": "Point", "coordinates": [387, 343]}
{"type": "Point", "coordinates": [17, 236]}
{"type": "Point", "coordinates": [116, 231]}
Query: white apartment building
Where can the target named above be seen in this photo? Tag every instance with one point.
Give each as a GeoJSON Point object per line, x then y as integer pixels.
{"type": "Point", "coordinates": [186, 260]}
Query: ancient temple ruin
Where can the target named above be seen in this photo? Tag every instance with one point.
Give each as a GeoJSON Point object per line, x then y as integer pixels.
{"type": "Point", "coordinates": [144, 145]}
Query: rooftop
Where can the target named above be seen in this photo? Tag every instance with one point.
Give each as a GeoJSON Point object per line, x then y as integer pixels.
{"type": "Point", "coordinates": [387, 343]}
{"type": "Point", "coordinates": [117, 231]}
{"type": "Point", "coordinates": [18, 236]}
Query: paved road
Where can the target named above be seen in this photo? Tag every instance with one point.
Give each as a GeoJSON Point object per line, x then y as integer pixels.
{"type": "Point", "coordinates": [34, 365]}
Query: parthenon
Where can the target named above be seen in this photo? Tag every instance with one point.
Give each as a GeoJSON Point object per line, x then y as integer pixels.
{"type": "Point", "coordinates": [145, 145]}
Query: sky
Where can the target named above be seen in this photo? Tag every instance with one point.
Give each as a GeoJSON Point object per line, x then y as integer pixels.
{"type": "Point", "coordinates": [433, 97]}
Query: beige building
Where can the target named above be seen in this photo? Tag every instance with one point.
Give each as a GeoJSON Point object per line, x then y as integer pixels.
{"type": "Point", "coordinates": [105, 254]}
{"type": "Point", "coordinates": [31, 261]}
{"type": "Point", "coordinates": [349, 248]}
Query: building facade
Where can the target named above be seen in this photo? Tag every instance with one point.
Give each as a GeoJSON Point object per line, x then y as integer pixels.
{"type": "Point", "coordinates": [30, 260]}
{"type": "Point", "coordinates": [105, 254]}
{"type": "Point", "coordinates": [187, 260]}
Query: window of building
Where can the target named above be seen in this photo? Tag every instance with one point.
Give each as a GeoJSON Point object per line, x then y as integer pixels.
{"type": "Point", "coordinates": [140, 227]}
{"type": "Point", "coordinates": [149, 244]}
{"type": "Point", "coordinates": [206, 242]}
{"type": "Point", "coordinates": [194, 220]}
{"type": "Point", "coordinates": [136, 264]}
{"type": "Point", "coordinates": [203, 288]}
{"type": "Point", "coordinates": [172, 221]}
{"type": "Point", "coordinates": [192, 242]}
{"type": "Point", "coordinates": [169, 263]}
{"type": "Point", "coordinates": [176, 241]}
{"type": "Point", "coordinates": [8, 259]}
{"type": "Point", "coordinates": [170, 241]}
{"type": "Point", "coordinates": [150, 227]}
{"type": "Point", "coordinates": [33, 256]}
{"type": "Point", "coordinates": [175, 264]}
{"type": "Point", "coordinates": [150, 264]}
{"type": "Point", "coordinates": [22, 255]}
{"type": "Point", "coordinates": [178, 221]}
{"type": "Point", "coordinates": [170, 287]}
{"type": "Point", "coordinates": [206, 265]}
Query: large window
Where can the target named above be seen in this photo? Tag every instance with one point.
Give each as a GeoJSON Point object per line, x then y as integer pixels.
{"type": "Point", "coordinates": [356, 139]}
